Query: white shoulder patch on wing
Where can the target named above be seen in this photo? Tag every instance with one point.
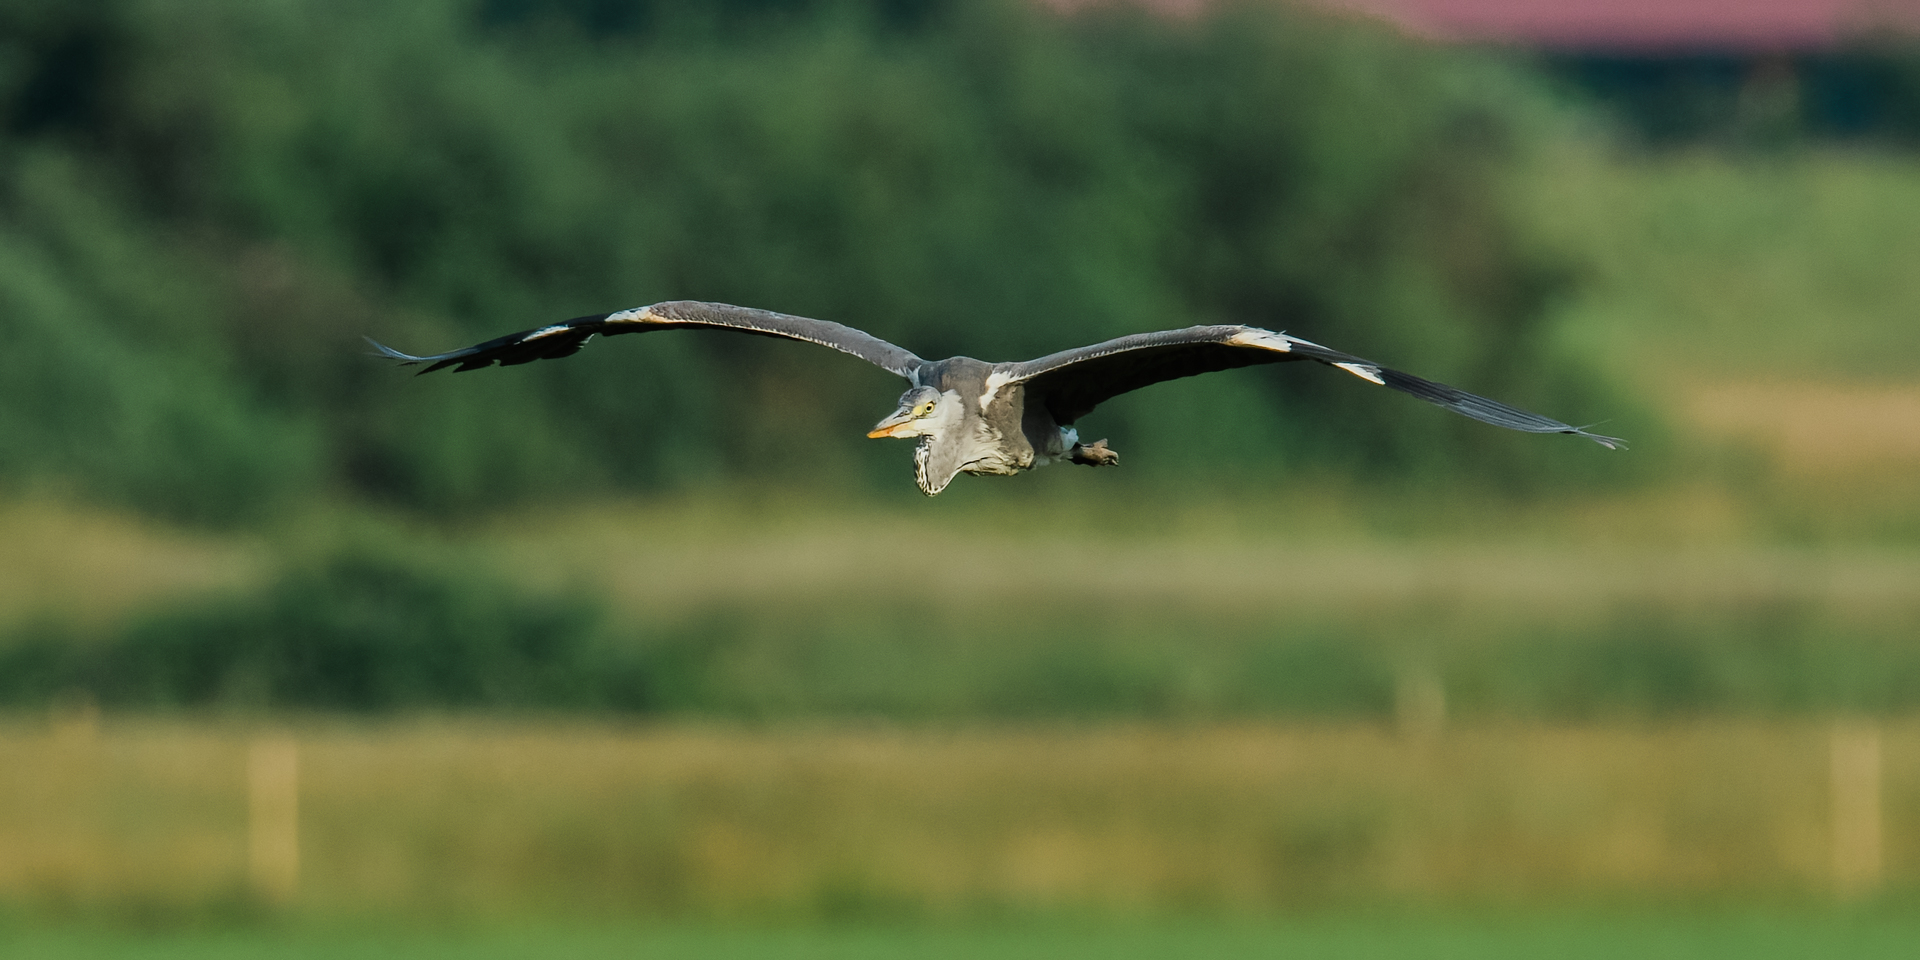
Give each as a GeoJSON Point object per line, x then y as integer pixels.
{"type": "Point", "coordinates": [994, 382]}
{"type": "Point", "coordinates": [1363, 371]}
{"type": "Point", "coordinates": [1264, 339]}
{"type": "Point", "coordinates": [546, 332]}
{"type": "Point", "coordinates": [635, 315]}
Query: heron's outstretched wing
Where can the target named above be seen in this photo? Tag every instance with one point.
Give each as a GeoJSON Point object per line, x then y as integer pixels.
{"type": "Point", "coordinates": [1072, 382]}
{"type": "Point", "coordinates": [566, 338]}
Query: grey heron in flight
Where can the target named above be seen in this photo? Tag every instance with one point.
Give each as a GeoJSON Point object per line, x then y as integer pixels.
{"type": "Point", "coordinates": [995, 418]}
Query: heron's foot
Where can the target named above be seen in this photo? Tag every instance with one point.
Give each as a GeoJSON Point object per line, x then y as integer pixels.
{"type": "Point", "coordinates": [1095, 454]}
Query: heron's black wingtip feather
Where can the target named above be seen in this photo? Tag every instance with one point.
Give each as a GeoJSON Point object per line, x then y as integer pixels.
{"type": "Point", "coordinates": [1611, 443]}
{"type": "Point", "coordinates": [1488, 411]}
{"type": "Point", "coordinates": [544, 343]}
{"type": "Point", "coordinates": [382, 350]}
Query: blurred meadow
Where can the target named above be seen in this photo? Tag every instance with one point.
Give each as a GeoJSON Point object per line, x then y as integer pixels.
{"type": "Point", "coordinates": [293, 644]}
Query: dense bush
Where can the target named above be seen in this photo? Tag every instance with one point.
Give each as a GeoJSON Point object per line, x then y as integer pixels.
{"type": "Point", "coordinates": [205, 203]}
{"type": "Point", "coordinates": [364, 630]}
{"type": "Point", "coordinates": [1766, 659]}
{"type": "Point", "coordinates": [378, 631]}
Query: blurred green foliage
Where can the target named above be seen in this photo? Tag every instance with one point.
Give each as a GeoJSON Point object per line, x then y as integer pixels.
{"type": "Point", "coordinates": [205, 203]}
{"type": "Point", "coordinates": [1639, 662]}
{"type": "Point", "coordinates": [371, 628]}
{"type": "Point", "coordinates": [365, 629]}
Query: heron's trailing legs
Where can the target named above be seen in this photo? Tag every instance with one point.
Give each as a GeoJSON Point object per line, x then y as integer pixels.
{"type": "Point", "coordinates": [1095, 454]}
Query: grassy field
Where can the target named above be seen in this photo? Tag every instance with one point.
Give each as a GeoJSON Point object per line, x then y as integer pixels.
{"type": "Point", "coordinates": [477, 820]}
{"type": "Point", "coordinates": [1364, 937]}
{"type": "Point", "coordinates": [58, 558]}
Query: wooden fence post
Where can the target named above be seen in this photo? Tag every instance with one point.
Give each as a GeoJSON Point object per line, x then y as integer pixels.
{"type": "Point", "coordinates": [273, 818]}
{"type": "Point", "coordinates": [1857, 827]}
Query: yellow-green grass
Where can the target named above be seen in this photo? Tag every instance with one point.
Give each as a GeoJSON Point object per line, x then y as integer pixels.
{"type": "Point", "coordinates": [487, 820]}
{"type": "Point", "coordinates": [1209, 612]}
{"type": "Point", "coordinates": [1287, 557]}
{"type": "Point", "coordinates": [1580, 936]}
{"type": "Point", "coordinates": [93, 564]}
{"type": "Point", "coordinates": [1575, 560]}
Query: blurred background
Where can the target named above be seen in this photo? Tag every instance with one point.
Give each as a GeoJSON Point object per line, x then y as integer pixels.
{"type": "Point", "coordinates": [631, 652]}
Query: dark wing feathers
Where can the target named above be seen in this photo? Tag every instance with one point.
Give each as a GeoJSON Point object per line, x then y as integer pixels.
{"type": "Point", "coordinates": [1072, 382]}
{"type": "Point", "coordinates": [564, 339]}
{"type": "Point", "coordinates": [545, 343]}
{"type": "Point", "coordinates": [1485, 410]}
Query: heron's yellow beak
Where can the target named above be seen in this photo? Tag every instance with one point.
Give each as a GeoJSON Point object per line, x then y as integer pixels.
{"type": "Point", "coordinates": [890, 426]}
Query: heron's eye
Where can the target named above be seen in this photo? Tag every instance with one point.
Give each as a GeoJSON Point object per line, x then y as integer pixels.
{"type": "Point", "coordinates": [924, 409]}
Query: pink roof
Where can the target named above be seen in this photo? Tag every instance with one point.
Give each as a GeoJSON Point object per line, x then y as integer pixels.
{"type": "Point", "coordinates": [1644, 24]}
{"type": "Point", "coordinates": [1625, 25]}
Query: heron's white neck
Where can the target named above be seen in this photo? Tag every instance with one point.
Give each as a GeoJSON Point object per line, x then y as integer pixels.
{"type": "Point", "coordinates": [950, 439]}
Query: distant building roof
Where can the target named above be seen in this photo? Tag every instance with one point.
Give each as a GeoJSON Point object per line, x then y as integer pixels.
{"type": "Point", "coordinates": [1645, 25]}
{"type": "Point", "coordinates": [1626, 26]}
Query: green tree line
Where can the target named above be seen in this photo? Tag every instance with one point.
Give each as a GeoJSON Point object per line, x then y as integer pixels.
{"type": "Point", "coordinates": [379, 627]}
{"type": "Point", "coordinates": [204, 204]}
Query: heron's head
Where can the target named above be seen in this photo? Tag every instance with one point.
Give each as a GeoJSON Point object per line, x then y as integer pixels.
{"type": "Point", "coordinates": [923, 412]}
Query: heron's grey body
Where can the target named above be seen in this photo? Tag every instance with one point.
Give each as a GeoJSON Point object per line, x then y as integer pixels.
{"type": "Point", "coordinates": [997, 418]}
{"type": "Point", "coordinates": [990, 428]}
